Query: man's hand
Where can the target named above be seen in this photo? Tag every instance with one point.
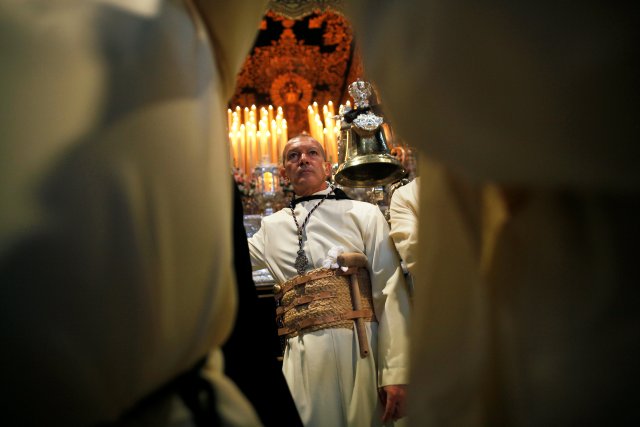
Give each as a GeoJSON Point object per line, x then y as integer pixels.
{"type": "Point", "coordinates": [393, 399]}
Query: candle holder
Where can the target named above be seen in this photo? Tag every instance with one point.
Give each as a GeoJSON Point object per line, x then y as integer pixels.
{"type": "Point", "coordinates": [267, 187]}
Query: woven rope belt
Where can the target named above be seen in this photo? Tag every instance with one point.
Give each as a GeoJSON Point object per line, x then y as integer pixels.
{"type": "Point", "coordinates": [325, 298]}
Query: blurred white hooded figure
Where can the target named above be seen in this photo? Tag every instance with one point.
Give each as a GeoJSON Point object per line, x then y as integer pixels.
{"type": "Point", "coordinates": [403, 220]}
{"type": "Point", "coordinates": [115, 224]}
{"type": "Point", "coordinates": [526, 298]}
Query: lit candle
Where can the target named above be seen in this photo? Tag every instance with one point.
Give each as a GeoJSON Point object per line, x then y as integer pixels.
{"type": "Point", "coordinates": [266, 154]}
{"type": "Point", "coordinates": [327, 147]}
{"type": "Point", "coordinates": [264, 114]}
{"type": "Point", "coordinates": [253, 148]}
{"type": "Point", "coordinates": [319, 131]}
{"type": "Point", "coordinates": [310, 117]}
{"type": "Point", "coordinates": [331, 110]}
{"type": "Point", "coordinates": [274, 140]}
{"type": "Point", "coordinates": [252, 118]}
{"type": "Point", "coordinates": [280, 146]}
{"type": "Point", "coordinates": [243, 148]}
{"type": "Point", "coordinates": [284, 136]}
{"type": "Point", "coordinates": [336, 135]}
{"type": "Point", "coordinates": [328, 124]}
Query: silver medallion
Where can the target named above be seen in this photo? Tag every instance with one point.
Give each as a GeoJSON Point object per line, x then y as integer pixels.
{"type": "Point", "coordinates": [368, 121]}
{"type": "Point", "coordinates": [301, 262]}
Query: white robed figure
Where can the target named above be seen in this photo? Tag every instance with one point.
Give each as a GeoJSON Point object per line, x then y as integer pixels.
{"type": "Point", "coordinates": [331, 383]}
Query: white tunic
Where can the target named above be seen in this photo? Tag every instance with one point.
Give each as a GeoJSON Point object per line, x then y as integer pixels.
{"type": "Point", "coordinates": [526, 294]}
{"type": "Point", "coordinates": [403, 211]}
{"type": "Point", "coordinates": [115, 193]}
{"type": "Point", "coordinates": [330, 383]}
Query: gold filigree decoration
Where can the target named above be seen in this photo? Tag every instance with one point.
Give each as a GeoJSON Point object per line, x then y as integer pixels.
{"type": "Point", "coordinates": [297, 9]}
{"type": "Point", "coordinates": [291, 88]}
{"type": "Point", "coordinates": [296, 62]}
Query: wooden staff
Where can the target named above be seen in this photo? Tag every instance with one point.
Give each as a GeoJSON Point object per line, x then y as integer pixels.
{"type": "Point", "coordinates": [360, 261]}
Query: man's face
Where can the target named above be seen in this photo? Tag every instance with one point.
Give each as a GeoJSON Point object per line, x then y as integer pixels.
{"type": "Point", "coordinates": [305, 166]}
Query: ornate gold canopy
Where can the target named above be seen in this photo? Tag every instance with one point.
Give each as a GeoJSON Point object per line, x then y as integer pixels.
{"type": "Point", "coordinates": [304, 52]}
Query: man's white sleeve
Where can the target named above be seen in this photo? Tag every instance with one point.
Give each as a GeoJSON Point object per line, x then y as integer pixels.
{"type": "Point", "coordinates": [256, 250]}
{"type": "Point", "coordinates": [391, 302]}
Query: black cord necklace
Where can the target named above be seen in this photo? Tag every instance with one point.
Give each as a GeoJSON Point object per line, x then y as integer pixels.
{"type": "Point", "coordinates": [301, 260]}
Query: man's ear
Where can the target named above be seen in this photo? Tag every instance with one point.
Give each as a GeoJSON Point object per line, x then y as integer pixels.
{"type": "Point", "coordinates": [283, 173]}
{"type": "Point", "coordinates": [327, 170]}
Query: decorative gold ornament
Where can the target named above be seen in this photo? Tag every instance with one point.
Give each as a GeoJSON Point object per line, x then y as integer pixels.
{"type": "Point", "coordinates": [296, 62]}
{"type": "Point", "coordinates": [297, 9]}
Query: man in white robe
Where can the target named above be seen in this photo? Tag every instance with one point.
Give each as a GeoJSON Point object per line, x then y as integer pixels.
{"type": "Point", "coordinates": [403, 221]}
{"type": "Point", "coordinates": [329, 381]}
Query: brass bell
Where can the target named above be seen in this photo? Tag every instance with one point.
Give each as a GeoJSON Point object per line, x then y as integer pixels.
{"type": "Point", "coordinates": [365, 159]}
{"type": "Point", "coordinates": [365, 143]}
{"type": "Point", "coordinates": [277, 288]}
